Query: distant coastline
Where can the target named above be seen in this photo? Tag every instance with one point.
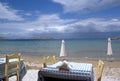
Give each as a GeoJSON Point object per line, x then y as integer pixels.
{"type": "Point", "coordinates": [115, 38]}
{"type": "Point", "coordinates": [32, 38]}
{"type": "Point", "coordinates": [49, 38]}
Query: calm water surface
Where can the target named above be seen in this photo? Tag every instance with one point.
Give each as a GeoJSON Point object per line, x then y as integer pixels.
{"type": "Point", "coordinates": [82, 48]}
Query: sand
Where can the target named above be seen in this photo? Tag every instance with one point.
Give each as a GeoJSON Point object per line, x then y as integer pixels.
{"type": "Point", "coordinates": [111, 71]}
{"type": "Point", "coordinates": [109, 74]}
{"type": "Point", "coordinates": [37, 62]}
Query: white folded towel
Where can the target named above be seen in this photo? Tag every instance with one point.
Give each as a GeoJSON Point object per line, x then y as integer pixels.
{"type": "Point", "coordinates": [65, 66]}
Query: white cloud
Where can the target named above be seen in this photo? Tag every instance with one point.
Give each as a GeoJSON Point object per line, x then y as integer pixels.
{"type": "Point", "coordinates": [97, 25]}
{"type": "Point", "coordinates": [52, 20]}
{"type": "Point", "coordinates": [44, 23]}
{"type": "Point", "coordinates": [8, 13]}
{"type": "Point", "coordinates": [86, 5]}
{"type": "Point", "coordinates": [28, 14]}
{"type": "Point", "coordinates": [54, 24]}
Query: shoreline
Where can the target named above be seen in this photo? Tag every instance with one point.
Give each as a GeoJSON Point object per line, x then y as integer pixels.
{"type": "Point", "coordinates": [36, 62]}
{"type": "Point", "coordinates": [111, 71]}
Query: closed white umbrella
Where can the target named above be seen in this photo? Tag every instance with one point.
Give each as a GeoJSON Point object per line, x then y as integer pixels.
{"type": "Point", "coordinates": [109, 50]}
{"type": "Point", "coordinates": [63, 51]}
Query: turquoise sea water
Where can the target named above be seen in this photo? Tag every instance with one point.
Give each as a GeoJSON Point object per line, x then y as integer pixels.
{"type": "Point", "coordinates": [80, 48]}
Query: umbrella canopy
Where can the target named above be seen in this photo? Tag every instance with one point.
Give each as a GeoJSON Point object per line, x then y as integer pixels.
{"type": "Point", "coordinates": [109, 50]}
{"type": "Point", "coordinates": [62, 51]}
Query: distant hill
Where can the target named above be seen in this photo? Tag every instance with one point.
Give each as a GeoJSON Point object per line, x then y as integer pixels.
{"type": "Point", "coordinates": [42, 37]}
{"type": "Point", "coordinates": [46, 37]}
{"type": "Point", "coordinates": [116, 38]}
{"type": "Point", "coordinates": [36, 38]}
{"type": "Point", "coordinates": [2, 38]}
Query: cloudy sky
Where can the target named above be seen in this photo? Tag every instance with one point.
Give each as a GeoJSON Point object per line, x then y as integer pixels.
{"type": "Point", "coordinates": [59, 18]}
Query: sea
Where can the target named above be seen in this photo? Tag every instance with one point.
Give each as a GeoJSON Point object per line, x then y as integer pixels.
{"type": "Point", "coordinates": [75, 48]}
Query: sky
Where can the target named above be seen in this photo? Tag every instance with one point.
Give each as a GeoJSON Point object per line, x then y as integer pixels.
{"type": "Point", "coordinates": [60, 18]}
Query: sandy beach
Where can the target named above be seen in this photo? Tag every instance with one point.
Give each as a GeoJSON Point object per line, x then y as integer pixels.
{"type": "Point", "coordinates": [34, 62]}
{"type": "Point", "coordinates": [111, 70]}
